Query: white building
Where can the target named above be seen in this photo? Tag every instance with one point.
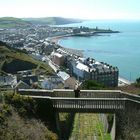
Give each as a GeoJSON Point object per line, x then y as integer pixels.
{"type": "Point", "coordinates": [79, 69]}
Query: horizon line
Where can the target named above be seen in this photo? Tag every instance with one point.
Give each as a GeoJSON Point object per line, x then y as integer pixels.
{"type": "Point", "coordinates": [89, 19]}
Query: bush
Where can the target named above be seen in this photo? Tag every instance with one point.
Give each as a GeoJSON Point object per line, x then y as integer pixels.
{"type": "Point", "coordinates": [91, 84]}
{"type": "Point", "coordinates": [15, 127]}
{"type": "Point", "coordinates": [31, 108]}
{"type": "Point", "coordinates": [138, 80]}
{"type": "Point", "coordinates": [25, 106]}
{"type": "Point", "coordinates": [137, 83]}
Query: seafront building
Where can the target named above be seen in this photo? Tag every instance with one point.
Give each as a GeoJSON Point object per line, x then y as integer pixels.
{"type": "Point", "coordinates": [57, 58]}
{"type": "Point", "coordinates": [87, 68]}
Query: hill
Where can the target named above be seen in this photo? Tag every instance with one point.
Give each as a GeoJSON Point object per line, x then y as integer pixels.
{"type": "Point", "coordinates": [11, 22]}
{"type": "Point", "coordinates": [13, 60]}
{"type": "Point", "coordinates": [52, 20]}
{"type": "Point", "coordinates": [21, 120]}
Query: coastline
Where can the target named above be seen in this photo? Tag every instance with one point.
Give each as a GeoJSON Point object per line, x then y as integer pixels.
{"type": "Point", "coordinates": [57, 38]}
{"type": "Point", "coordinates": [121, 81]}
{"type": "Point", "coordinates": [71, 51]}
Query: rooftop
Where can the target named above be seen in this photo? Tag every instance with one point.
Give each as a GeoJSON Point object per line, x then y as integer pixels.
{"type": "Point", "coordinates": [82, 67]}
{"type": "Point", "coordinates": [63, 75]}
{"type": "Point", "coordinates": [57, 54]}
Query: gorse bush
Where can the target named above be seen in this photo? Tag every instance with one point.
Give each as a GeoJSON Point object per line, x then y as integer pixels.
{"type": "Point", "coordinates": [14, 127]}
{"type": "Point", "coordinates": [91, 84]}
{"type": "Point", "coordinates": [25, 106]}
{"type": "Point", "coordinates": [20, 119]}
{"type": "Point", "coordinates": [137, 83]}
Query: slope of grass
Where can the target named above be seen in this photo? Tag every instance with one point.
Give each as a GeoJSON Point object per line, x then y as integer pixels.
{"type": "Point", "coordinates": [10, 22]}
{"type": "Point", "coordinates": [52, 20]}
{"type": "Point", "coordinates": [19, 120]}
{"type": "Point", "coordinates": [15, 60]}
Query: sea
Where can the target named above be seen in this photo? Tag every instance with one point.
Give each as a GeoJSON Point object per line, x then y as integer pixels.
{"type": "Point", "coordinates": [117, 49]}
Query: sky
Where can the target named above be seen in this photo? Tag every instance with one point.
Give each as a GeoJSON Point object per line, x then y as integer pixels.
{"type": "Point", "coordinates": [82, 9]}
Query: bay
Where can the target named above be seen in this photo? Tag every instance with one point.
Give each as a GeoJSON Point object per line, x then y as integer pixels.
{"type": "Point", "coordinates": [118, 49]}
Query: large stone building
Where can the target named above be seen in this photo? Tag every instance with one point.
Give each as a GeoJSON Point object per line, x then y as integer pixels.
{"type": "Point", "coordinates": [90, 69]}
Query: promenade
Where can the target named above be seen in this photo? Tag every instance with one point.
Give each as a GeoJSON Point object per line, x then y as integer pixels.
{"type": "Point", "coordinates": [123, 82]}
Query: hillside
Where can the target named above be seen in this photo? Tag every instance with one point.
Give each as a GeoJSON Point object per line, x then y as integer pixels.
{"type": "Point", "coordinates": [13, 60]}
{"type": "Point", "coordinates": [11, 22]}
{"type": "Point", "coordinates": [52, 20]}
{"type": "Point", "coordinates": [20, 119]}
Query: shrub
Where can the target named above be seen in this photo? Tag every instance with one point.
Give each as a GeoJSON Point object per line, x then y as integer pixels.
{"type": "Point", "coordinates": [91, 84]}
{"type": "Point", "coordinates": [15, 127]}
{"type": "Point", "coordinates": [25, 106]}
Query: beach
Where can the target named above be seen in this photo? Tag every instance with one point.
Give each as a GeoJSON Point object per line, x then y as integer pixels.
{"type": "Point", "coordinates": [56, 40]}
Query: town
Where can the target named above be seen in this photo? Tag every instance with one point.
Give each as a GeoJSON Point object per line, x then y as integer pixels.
{"type": "Point", "coordinates": [70, 66]}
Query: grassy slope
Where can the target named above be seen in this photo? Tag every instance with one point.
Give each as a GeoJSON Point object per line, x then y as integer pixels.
{"type": "Point", "coordinates": [11, 55]}
{"type": "Point", "coordinates": [52, 20]}
{"type": "Point", "coordinates": [9, 22]}
{"type": "Point", "coordinates": [19, 119]}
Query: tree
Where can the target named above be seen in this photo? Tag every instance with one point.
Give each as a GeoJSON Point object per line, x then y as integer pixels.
{"type": "Point", "coordinates": [137, 83]}
{"type": "Point", "coordinates": [138, 80]}
{"type": "Point", "coordinates": [91, 84]}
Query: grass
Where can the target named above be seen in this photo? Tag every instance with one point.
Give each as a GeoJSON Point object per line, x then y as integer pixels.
{"type": "Point", "coordinates": [8, 22]}
{"type": "Point", "coordinates": [10, 54]}
{"type": "Point", "coordinates": [87, 127]}
{"type": "Point", "coordinates": [100, 129]}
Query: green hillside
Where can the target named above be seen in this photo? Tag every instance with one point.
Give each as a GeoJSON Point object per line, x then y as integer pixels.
{"type": "Point", "coordinates": [52, 20]}
{"type": "Point", "coordinates": [13, 60]}
{"type": "Point", "coordinates": [11, 22]}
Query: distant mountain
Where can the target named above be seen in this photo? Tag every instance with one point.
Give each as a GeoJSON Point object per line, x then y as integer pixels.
{"type": "Point", "coordinates": [52, 20]}
{"type": "Point", "coordinates": [11, 22]}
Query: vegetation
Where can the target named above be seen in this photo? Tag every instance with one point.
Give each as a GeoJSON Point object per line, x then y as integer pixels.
{"type": "Point", "coordinates": [110, 118]}
{"type": "Point", "coordinates": [137, 83]}
{"type": "Point", "coordinates": [20, 120]}
{"type": "Point", "coordinates": [128, 124]}
{"type": "Point", "coordinates": [87, 126]}
{"type": "Point", "coordinates": [13, 60]}
{"type": "Point", "coordinates": [66, 124]}
{"type": "Point", "coordinates": [91, 84]}
{"type": "Point", "coordinates": [52, 20]}
{"type": "Point", "coordinates": [11, 22]}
